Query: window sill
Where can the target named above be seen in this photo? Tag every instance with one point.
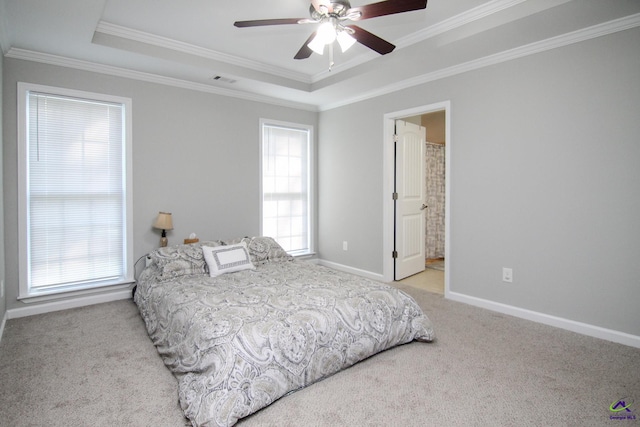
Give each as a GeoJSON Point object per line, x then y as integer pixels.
{"type": "Point", "coordinates": [76, 292]}
{"type": "Point", "coordinates": [306, 255]}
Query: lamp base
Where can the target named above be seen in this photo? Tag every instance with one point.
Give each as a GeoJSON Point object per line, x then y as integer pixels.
{"type": "Point", "coordinates": [163, 242]}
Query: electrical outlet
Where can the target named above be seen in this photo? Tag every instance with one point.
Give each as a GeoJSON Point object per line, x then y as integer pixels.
{"type": "Point", "coordinates": [345, 245]}
{"type": "Point", "coordinates": [507, 275]}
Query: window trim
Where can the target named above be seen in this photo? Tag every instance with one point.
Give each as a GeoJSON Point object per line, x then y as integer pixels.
{"type": "Point", "coordinates": [25, 293]}
{"type": "Point", "coordinates": [311, 168]}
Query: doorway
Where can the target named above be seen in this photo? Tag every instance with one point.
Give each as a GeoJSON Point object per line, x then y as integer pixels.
{"type": "Point", "coordinates": [436, 118]}
{"type": "Point", "coordinates": [435, 186]}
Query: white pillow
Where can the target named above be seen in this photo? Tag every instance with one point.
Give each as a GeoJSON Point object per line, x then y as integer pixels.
{"type": "Point", "coordinates": [227, 259]}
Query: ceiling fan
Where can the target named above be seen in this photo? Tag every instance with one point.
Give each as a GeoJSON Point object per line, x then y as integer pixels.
{"type": "Point", "coordinates": [332, 16]}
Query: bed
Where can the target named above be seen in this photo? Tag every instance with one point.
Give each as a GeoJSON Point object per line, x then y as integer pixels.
{"type": "Point", "coordinates": [241, 323]}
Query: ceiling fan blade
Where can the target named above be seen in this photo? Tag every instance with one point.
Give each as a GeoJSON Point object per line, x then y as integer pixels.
{"type": "Point", "coordinates": [305, 51]}
{"type": "Point", "coordinates": [371, 40]}
{"type": "Point", "coordinates": [262, 22]}
{"type": "Point", "coordinates": [383, 8]}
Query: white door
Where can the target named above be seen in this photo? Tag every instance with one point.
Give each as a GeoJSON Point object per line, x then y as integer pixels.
{"type": "Point", "coordinates": [410, 197]}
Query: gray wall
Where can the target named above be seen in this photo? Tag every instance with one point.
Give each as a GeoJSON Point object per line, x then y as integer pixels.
{"type": "Point", "coordinates": [3, 305]}
{"type": "Point", "coordinates": [545, 156]}
{"type": "Point", "coordinates": [194, 154]}
{"type": "Point", "coordinates": [545, 175]}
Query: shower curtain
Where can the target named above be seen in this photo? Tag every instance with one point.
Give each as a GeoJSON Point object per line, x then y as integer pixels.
{"type": "Point", "coordinates": [435, 171]}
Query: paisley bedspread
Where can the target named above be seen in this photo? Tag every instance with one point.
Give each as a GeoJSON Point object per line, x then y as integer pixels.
{"type": "Point", "coordinates": [240, 341]}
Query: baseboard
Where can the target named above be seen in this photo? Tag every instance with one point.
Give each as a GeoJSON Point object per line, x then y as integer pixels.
{"type": "Point", "coordinates": [558, 322]}
{"type": "Point", "coordinates": [4, 322]}
{"type": "Point", "coordinates": [58, 305]}
{"type": "Point", "coordinates": [347, 269]}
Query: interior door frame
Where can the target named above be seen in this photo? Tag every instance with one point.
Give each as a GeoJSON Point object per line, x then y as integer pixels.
{"type": "Point", "coordinates": [388, 237]}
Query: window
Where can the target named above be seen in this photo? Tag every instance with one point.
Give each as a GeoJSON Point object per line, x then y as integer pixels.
{"type": "Point", "coordinates": [286, 185]}
{"type": "Point", "coordinates": [74, 190]}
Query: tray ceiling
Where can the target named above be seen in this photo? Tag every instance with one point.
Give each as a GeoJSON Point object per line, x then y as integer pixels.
{"type": "Point", "coordinates": [192, 42]}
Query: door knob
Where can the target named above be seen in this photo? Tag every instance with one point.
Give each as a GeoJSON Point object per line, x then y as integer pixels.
{"type": "Point", "coordinates": [423, 207]}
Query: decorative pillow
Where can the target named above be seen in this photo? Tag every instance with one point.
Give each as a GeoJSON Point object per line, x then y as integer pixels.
{"type": "Point", "coordinates": [227, 259]}
{"type": "Point", "coordinates": [263, 249]}
{"type": "Point", "coordinates": [180, 260]}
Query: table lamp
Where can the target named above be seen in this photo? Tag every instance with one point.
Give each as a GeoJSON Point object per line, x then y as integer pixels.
{"type": "Point", "coordinates": [164, 223]}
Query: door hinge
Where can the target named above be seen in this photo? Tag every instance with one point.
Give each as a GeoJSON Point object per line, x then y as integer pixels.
{"type": "Point", "coordinates": [394, 196]}
{"type": "Point", "coordinates": [394, 254]}
{"type": "Point", "coordinates": [395, 137]}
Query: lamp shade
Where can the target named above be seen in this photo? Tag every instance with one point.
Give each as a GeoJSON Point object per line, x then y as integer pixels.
{"type": "Point", "coordinates": [327, 32]}
{"type": "Point", "coordinates": [345, 40]}
{"type": "Point", "coordinates": [317, 45]}
{"type": "Point", "coordinates": [163, 221]}
{"type": "Point", "coordinates": [325, 35]}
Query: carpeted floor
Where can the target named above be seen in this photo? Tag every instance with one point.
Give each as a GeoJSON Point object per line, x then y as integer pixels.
{"type": "Point", "coordinates": [95, 366]}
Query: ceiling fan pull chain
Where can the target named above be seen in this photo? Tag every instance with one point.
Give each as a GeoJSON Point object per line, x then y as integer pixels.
{"type": "Point", "coordinates": [331, 56]}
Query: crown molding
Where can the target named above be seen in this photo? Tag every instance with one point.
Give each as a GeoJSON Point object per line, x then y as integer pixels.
{"type": "Point", "coordinates": [599, 30]}
{"type": "Point", "coordinates": [60, 61]}
{"type": "Point", "coordinates": [452, 23]}
{"type": "Point", "coordinates": [459, 20]}
{"type": "Point", "coordinates": [577, 36]}
{"type": "Point", "coordinates": [167, 43]}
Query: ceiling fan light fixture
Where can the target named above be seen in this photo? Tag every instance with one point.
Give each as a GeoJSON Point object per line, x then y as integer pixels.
{"type": "Point", "coordinates": [327, 32]}
{"type": "Point", "coordinates": [345, 40]}
{"type": "Point", "coordinates": [325, 35]}
{"type": "Point", "coordinates": [331, 16]}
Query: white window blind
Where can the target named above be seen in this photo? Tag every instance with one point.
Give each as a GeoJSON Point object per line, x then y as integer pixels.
{"type": "Point", "coordinates": [286, 185]}
{"type": "Point", "coordinates": [76, 222]}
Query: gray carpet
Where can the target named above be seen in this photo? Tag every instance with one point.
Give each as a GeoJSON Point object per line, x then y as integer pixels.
{"type": "Point", "coordinates": [95, 366]}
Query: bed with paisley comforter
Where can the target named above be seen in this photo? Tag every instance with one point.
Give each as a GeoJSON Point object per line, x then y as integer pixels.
{"type": "Point", "coordinates": [264, 325]}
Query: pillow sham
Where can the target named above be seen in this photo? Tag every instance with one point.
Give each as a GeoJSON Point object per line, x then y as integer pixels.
{"type": "Point", "coordinates": [227, 259]}
{"type": "Point", "coordinates": [263, 249]}
{"type": "Point", "coordinates": [181, 260]}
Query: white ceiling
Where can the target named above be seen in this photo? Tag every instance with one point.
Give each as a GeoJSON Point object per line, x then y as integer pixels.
{"type": "Point", "coordinates": [186, 43]}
